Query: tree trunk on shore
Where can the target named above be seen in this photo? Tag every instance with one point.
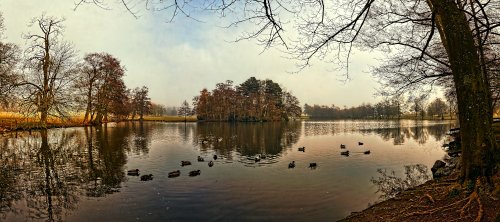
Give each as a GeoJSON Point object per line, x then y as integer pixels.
{"type": "Point", "coordinates": [479, 150]}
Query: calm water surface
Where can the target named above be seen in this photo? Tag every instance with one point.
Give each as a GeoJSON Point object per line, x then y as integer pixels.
{"type": "Point", "coordinates": [80, 174]}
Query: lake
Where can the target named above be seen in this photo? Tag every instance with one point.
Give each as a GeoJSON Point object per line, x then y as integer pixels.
{"type": "Point", "coordinates": [80, 174]}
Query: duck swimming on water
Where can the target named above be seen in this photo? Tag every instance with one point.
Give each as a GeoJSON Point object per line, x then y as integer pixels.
{"type": "Point", "coordinates": [185, 163]}
{"type": "Point", "coordinates": [194, 173]}
{"type": "Point", "coordinates": [211, 163]}
{"type": "Point", "coordinates": [174, 173]}
{"type": "Point", "coordinates": [147, 177]}
{"type": "Point", "coordinates": [291, 164]}
{"type": "Point", "coordinates": [342, 146]}
{"type": "Point", "coordinates": [345, 153]}
{"type": "Point", "coordinates": [200, 159]}
{"type": "Point", "coordinates": [133, 172]}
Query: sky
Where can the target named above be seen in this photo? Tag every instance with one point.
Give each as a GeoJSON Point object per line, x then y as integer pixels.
{"type": "Point", "coordinates": [176, 60]}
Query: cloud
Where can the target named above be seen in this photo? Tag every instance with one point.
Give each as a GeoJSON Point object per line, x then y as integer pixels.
{"type": "Point", "coordinates": [176, 60]}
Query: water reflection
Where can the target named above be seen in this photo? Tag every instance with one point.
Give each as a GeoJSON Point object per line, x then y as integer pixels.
{"type": "Point", "coordinates": [50, 175]}
{"type": "Point", "coordinates": [248, 139]}
{"type": "Point", "coordinates": [52, 170]}
{"type": "Point", "coordinates": [396, 131]}
{"type": "Point", "coordinates": [388, 184]}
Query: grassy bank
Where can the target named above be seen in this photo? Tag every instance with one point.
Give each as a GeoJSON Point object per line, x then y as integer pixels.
{"type": "Point", "coordinates": [10, 121]}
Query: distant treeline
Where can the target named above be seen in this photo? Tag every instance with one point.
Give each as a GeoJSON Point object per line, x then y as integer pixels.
{"type": "Point", "coordinates": [387, 109]}
{"type": "Point", "coordinates": [253, 100]}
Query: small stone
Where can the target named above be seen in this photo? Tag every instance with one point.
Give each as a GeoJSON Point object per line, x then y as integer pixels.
{"type": "Point", "coordinates": [437, 165]}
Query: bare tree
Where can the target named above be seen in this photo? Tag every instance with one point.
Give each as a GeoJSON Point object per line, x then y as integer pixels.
{"type": "Point", "coordinates": [185, 110]}
{"type": "Point", "coordinates": [437, 107]}
{"type": "Point", "coordinates": [141, 102]}
{"type": "Point", "coordinates": [90, 75]}
{"type": "Point", "coordinates": [9, 61]}
{"type": "Point", "coordinates": [50, 69]}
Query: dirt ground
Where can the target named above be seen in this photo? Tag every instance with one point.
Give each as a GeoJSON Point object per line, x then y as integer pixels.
{"type": "Point", "coordinates": [439, 200]}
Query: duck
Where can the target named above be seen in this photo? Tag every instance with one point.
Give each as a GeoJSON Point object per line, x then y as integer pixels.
{"type": "Point", "coordinates": [200, 159]}
{"type": "Point", "coordinates": [257, 158]}
{"type": "Point", "coordinates": [291, 164]}
{"type": "Point", "coordinates": [175, 173]}
{"type": "Point", "coordinates": [215, 156]}
{"type": "Point", "coordinates": [147, 177]}
{"type": "Point", "coordinates": [185, 163]}
{"type": "Point", "coordinates": [367, 152]}
{"type": "Point", "coordinates": [194, 173]}
{"type": "Point", "coordinates": [303, 149]}
{"type": "Point", "coordinates": [263, 156]}
{"type": "Point", "coordinates": [342, 146]}
{"type": "Point", "coordinates": [360, 143]}
{"type": "Point", "coordinates": [345, 153]}
{"type": "Point", "coordinates": [211, 163]}
{"type": "Point", "coordinates": [133, 172]}
{"type": "Point", "coordinates": [313, 165]}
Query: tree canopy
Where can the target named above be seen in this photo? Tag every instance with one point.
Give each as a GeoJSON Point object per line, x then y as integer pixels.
{"type": "Point", "coordinates": [252, 100]}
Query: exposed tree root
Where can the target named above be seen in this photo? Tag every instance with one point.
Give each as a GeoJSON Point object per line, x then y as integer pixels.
{"type": "Point", "coordinates": [428, 197]}
{"type": "Point", "coordinates": [463, 210]}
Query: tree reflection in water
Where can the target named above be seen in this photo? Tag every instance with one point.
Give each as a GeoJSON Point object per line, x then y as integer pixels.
{"type": "Point", "coordinates": [248, 139]}
{"type": "Point", "coordinates": [388, 184]}
{"type": "Point", "coordinates": [397, 131]}
{"type": "Point", "coordinates": [43, 175]}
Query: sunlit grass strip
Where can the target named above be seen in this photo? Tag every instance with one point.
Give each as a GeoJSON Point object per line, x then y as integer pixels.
{"type": "Point", "coordinates": [13, 120]}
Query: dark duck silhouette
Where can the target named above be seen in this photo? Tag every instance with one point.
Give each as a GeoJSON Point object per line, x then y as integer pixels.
{"type": "Point", "coordinates": [147, 177]}
{"type": "Point", "coordinates": [211, 163]}
{"type": "Point", "coordinates": [194, 173]}
{"type": "Point", "coordinates": [360, 143]}
{"type": "Point", "coordinates": [291, 164]}
{"type": "Point", "coordinates": [342, 146]}
{"type": "Point", "coordinates": [345, 153]}
{"type": "Point", "coordinates": [200, 159]}
{"type": "Point", "coordinates": [313, 165]}
{"type": "Point", "coordinates": [133, 172]}
{"type": "Point", "coordinates": [174, 173]}
{"type": "Point", "coordinates": [185, 163]}
{"type": "Point", "coordinates": [215, 157]}
{"type": "Point", "coordinates": [303, 149]}
{"type": "Point", "coordinates": [367, 152]}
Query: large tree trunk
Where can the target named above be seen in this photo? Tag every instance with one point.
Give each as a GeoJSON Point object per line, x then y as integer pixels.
{"type": "Point", "coordinates": [89, 105]}
{"type": "Point", "coordinates": [473, 98]}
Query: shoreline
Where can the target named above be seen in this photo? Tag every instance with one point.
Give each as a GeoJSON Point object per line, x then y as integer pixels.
{"type": "Point", "coordinates": [443, 198]}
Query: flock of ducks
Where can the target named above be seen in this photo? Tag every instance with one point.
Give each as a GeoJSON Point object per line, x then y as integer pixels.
{"type": "Point", "coordinates": [175, 173]}
{"type": "Point", "coordinates": [346, 153]}
{"type": "Point", "coordinates": [343, 153]}
{"type": "Point", "coordinates": [257, 158]}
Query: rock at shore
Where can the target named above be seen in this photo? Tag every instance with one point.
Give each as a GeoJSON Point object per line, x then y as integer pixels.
{"type": "Point", "coordinates": [439, 164]}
